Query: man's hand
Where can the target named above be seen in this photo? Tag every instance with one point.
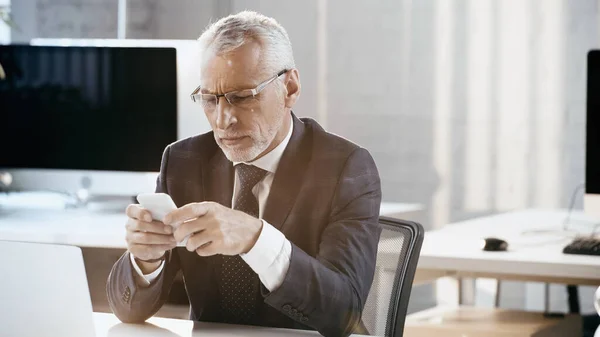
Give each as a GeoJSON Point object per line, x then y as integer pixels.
{"type": "Point", "coordinates": [147, 239]}
{"type": "Point", "coordinates": [214, 229]}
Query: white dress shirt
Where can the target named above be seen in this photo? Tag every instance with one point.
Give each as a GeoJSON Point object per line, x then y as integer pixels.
{"type": "Point", "coordinates": [270, 255]}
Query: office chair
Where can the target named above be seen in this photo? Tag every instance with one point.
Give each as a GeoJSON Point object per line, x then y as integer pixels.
{"type": "Point", "coordinates": [399, 248]}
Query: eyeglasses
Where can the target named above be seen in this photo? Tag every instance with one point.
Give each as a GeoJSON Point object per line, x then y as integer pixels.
{"type": "Point", "coordinates": [239, 99]}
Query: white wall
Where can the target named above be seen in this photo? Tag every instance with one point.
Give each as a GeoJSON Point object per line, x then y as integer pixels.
{"type": "Point", "coordinates": [300, 21]}
{"type": "Point", "coordinates": [146, 19]}
{"type": "Point", "coordinates": [70, 18]}
{"type": "Point", "coordinates": [4, 28]}
{"type": "Point", "coordinates": [493, 116]}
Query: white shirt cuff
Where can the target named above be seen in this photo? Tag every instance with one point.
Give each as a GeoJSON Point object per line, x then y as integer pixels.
{"type": "Point", "coordinates": [270, 256]}
{"type": "Point", "coordinates": [145, 279]}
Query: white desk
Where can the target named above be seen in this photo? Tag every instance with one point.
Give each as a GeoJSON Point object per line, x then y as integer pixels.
{"type": "Point", "coordinates": [107, 325]}
{"type": "Point", "coordinates": [79, 227]}
{"type": "Point", "coordinates": [67, 227]}
{"type": "Point", "coordinates": [455, 250]}
{"type": "Point", "coordinates": [400, 210]}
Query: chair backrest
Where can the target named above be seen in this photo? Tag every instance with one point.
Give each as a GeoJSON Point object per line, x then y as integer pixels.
{"type": "Point", "coordinates": [399, 248]}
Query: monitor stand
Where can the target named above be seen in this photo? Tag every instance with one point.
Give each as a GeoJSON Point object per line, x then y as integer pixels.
{"type": "Point", "coordinates": [80, 195]}
{"type": "Point", "coordinates": [80, 200]}
{"type": "Point", "coordinates": [591, 203]}
{"type": "Point", "coordinates": [109, 204]}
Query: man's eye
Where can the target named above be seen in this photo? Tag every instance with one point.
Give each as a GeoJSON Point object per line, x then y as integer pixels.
{"type": "Point", "coordinates": [234, 99]}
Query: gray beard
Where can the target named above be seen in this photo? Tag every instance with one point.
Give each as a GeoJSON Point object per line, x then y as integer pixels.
{"type": "Point", "coordinates": [251, 154]}
{"type": "Point", "coordinates": [243, 156]}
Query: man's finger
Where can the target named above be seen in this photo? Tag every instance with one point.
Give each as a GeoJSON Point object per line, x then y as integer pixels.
{"type": "Point", "coordinates": [209, 249]}
{"type": "Point", "coordinates": [149, 251]}
{"type": "Point", "coordinates": [198, 240]}
{"type": "Point", "coordinates": [190, 211]}
{"type": "Point", "coordinates": [150, 238]}
{"type": "Point", "coordinates": [190, 227]}
{"type": "Point", "coordinates": [151, 227]}
{"type": "Point", "coordinates": [138, 212]}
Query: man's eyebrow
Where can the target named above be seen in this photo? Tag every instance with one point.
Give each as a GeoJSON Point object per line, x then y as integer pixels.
{"type": "Point", "coordinates": [242, 87]}
{"type": "Point", "coordinates": [206, 91]}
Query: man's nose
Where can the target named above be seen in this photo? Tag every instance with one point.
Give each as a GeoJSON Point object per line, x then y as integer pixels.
{"type": "Point", "coordinates": [225, 114]}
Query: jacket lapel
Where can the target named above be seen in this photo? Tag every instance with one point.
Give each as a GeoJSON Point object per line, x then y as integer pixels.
{"type": "Point", "coordinates": [217, 182]}
{"type": "Point", "coordinates": [289, 176]}
{"type": "Point", "coordinates": [217, 179]}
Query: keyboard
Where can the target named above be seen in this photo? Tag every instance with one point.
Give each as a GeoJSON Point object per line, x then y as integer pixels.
{"type": "Point", "coordinates": [583, 246]}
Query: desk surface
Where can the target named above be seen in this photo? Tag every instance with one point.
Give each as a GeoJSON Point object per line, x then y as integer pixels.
{"type": "Point", "coordinates": [83, 228]}
{"type": "Point", "coordinates": [107, 325]}
{"type": "Point", "coordinates": [534, 252]}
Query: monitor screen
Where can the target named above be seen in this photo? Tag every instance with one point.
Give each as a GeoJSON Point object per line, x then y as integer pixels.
{"type": "Point", "coordinates": [87, 108]}
{"type": "Point", "coordinates": [592, 167]}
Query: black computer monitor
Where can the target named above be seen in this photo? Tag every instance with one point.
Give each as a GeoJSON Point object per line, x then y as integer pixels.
{"type": "Point", "coordinates": [592, 166]}
{"type": "Point", "coordinates": [86, 109]}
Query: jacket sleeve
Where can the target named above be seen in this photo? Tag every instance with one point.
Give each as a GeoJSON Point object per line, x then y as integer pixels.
{"type": "Point", "coordinates": [129, 301]}
{"type": "Point", "coordinates": [328, 292]}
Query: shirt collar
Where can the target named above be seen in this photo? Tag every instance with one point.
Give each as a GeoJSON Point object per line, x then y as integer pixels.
{"type": "Point", "coordinates": [270, 161]}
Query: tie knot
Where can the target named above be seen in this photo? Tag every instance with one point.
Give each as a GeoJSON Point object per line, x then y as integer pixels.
{"type": "Point", "coordinates": [249, 175]}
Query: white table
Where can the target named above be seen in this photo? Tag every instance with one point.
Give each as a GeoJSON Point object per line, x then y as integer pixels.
{"type": "Point", "coordinates": [50, 223]}
{"type": "Point", "coordinates": [400, 210]}
{"type": "Point", "coordinates": [107, 325]}
{"type": "Point", "coordinates": [455, 250]}
{"type": "Point", "coordinates": [68, 227]}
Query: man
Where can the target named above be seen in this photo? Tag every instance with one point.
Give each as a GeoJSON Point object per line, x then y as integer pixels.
{"type": "Point", "coordinates": [281, 216]}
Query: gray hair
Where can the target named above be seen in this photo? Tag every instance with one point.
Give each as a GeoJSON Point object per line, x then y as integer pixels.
{"type": "Point", "coordinates": [233, 31]}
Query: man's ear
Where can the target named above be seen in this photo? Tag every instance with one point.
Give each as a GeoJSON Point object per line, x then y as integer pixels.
{"type": "Point", "coordinates": [292, 85]}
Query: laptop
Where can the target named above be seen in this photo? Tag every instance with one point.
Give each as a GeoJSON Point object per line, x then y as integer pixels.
{"type": "Point", "coordinates": [43, 291]}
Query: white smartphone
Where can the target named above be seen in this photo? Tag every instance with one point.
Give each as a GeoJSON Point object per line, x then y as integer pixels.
{"type": "Point", "coordinates": [159, 205]}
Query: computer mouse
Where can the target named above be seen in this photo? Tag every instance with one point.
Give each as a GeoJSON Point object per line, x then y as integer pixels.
{"type": "Point", "coordinates": [494, 245]}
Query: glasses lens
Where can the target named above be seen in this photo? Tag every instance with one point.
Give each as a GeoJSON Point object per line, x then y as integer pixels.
{"type": "Point", "coordinates": [208, 102]}
{"type": "Point", "coordinates": [241, 99]}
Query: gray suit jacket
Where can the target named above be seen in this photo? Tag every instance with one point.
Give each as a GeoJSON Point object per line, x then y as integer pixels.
{"type": "Point", "coordinates": [325, 198]}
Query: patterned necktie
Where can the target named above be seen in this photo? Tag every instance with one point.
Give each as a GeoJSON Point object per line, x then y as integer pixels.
{"type": "Point", "coordinates": [239, 283]}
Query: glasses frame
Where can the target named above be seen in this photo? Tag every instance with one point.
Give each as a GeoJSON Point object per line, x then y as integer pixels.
{"type": "Point", "coordinates": [196, 96]}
